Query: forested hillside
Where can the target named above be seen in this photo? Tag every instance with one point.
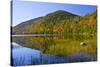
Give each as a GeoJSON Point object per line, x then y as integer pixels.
{"type": "Point", "coordinates": [59, 22]}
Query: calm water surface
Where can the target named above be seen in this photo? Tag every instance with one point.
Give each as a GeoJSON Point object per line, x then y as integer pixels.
{"type": "Point", "coordinates": [28, 50]}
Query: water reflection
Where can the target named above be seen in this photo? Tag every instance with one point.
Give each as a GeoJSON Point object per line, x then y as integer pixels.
{"type": "Point", "coordinates": [50, 49]}
{"type": "Point", "coordinates": [24, 56]}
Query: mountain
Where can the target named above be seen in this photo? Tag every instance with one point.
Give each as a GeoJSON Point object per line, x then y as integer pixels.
{"type": "Point", "coordinates": [57, 16]}
{"type": "Point", "coordinates": [60, 15]}
{"type": "Point", "coordinates": [32, 21]}
{"type": "Point", "coordinates": [56, 22]}
{"type": "Point", "coordinates": [23, 26]}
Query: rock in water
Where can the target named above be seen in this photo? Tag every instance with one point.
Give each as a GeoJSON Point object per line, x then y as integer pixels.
{"type": "Point", "coordinates": [83, 44]}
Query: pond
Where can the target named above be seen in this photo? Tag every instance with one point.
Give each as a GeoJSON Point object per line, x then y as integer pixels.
{"type": "Point", "coordinates": [36, 50]}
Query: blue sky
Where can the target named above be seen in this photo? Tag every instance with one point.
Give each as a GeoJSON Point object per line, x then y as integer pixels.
{"type": "Point", "coordinates": [26, 10]}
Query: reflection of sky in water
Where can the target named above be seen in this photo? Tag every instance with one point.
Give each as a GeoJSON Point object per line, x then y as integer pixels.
{"type": "Point", "coordinates": [24, 56]}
